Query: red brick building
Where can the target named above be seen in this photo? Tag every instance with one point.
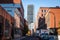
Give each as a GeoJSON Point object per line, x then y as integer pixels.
{"type": "Point", "coordinates": [6, 24]}
{"type": "Point", "coordinates": [20, 9]}
{"type": "Point", "coordinates": [10, 1]}
{"type": "Point", "coordinates": [51, 15]}
{"type": "Point", "coordinates": [19, 20]}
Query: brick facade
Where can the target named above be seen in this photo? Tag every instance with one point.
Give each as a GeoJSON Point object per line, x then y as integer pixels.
{"type": "Point", "coordinates": [49, 14]}
{"type": "Point", "coordinates": [7, 22]}
{"type": "Point", "coordinates": [10, 1]}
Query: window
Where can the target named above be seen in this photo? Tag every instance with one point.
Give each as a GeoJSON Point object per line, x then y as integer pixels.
{"type": "Point", "coordinates": [17, 31]}
{"type": "Point", "coordinates": [6, 33]}
{"type": "Point", "coordinates": [7, 23]}
{"type": "Point", "coordinates": [44, 10]}
{"type": "Point", "coordinates": [1, 19]}
{"type": "Point", "coordinates": [9, 10]}
{"type": "Point", "coordinates": [7, 27]}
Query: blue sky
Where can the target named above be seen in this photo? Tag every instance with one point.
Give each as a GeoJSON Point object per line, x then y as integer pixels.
{"type": "Point", "coordinates": [39, 3]}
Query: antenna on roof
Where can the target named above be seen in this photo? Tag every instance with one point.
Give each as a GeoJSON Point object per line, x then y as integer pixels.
{"type": "Point", "coordinates": [57, 6]}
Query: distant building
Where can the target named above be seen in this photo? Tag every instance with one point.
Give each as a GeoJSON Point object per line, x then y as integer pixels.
{"type": "Point", "coordinates": [32, 28]}
{"type": "Point", "coordinates": [35, 23]}
{"type": "Point", "coordinates": [19, 20]}
{"type": "Point", "coordinates": [30, 10]}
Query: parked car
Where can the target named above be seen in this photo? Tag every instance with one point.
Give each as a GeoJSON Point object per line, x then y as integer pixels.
{"type": "Point", "coordinates": [51, 37]}
{"type": "Point", "coordinates": [44, 36]}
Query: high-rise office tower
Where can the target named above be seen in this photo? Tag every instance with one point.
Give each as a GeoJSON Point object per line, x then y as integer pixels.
{"type": "Point", "coordinates": [30, 14]}
{"type": "Point", "coordinates": [30, 10]}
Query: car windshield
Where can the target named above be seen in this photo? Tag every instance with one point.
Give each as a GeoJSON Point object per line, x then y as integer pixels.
{"type": "Point", "coordinates": [44, 34]}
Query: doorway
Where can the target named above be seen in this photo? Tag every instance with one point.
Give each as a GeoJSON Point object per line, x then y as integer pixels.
{"type": "Point", "coordinates": [1, 31]}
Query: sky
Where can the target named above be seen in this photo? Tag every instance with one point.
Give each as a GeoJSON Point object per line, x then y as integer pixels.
{"type": "Point", "coordinates": [39, 3]}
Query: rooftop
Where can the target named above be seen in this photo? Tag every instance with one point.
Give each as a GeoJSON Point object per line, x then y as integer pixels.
{"type": "Point", "coordinates": [51, 7]}
{"type": "Point", "coordinates": [9, 1]}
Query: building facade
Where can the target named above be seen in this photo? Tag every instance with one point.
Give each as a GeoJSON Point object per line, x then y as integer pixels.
{"type": "Point", "coordinates": [30, 14]}
{"type": "Point", "coordinates": [40, 20]}
{"type": "Point", "coordinates": [25, 27]}
{"type": "Point", "coordinates": [11, 5]}
{"type": "Point", "coordinates": [10, 1]}
{"type": "Point", "coordinates": [6, 24]}
{"type": "Point", "coordinates": [19, 20]}
{"type": "Point", "coordinates": [52, 16]}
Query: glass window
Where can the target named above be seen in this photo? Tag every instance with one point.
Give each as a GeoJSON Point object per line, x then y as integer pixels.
{"type": "Point", "coordinates": [11, 7]}
{"type": "Point", "coordinates": [17, 31]}
{"type": "Point", "coordinates": [6, 33]}
{"type": "Point", "coordinates": [7, 23]}
{"type": "Point", "coordinates": [1, 18]}
{"type": "Point", "coordinates": [7, 27]}
{"type": "Point", "coordinates": [9, 10]}
{"type": "Point", "coordinates": [42, 10]}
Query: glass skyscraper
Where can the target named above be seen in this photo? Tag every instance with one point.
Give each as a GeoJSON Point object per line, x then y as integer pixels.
{"type": "Point", "coordinates": [30, 14]}
{"type": "Point", "coordinates": [30, 10]}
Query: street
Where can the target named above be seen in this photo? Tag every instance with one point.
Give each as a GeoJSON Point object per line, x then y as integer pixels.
{"type": "Point", "coordinates": [29, 20]}
{"type": "Point", "coordinates": [27, 38]}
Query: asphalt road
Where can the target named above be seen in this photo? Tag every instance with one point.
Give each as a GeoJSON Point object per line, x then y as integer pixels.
{"type": "Point", "coordinates": [26, 38]}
